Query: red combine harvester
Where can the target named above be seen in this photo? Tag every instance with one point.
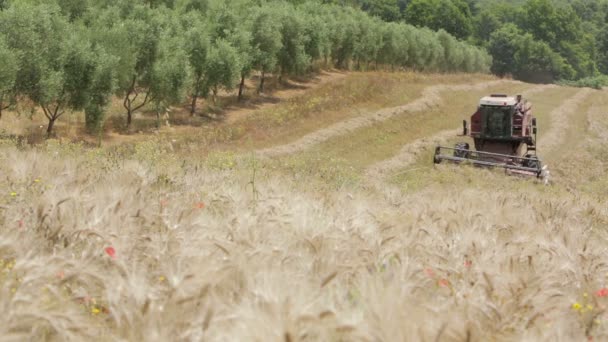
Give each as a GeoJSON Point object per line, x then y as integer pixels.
{"type": "Point", "coordinates": [504, 132]}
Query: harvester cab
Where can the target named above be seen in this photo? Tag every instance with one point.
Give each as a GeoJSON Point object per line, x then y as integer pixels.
{"type": "Point", "coordinates": [503, 130]}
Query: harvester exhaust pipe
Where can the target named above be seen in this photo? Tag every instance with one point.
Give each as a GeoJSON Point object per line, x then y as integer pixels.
{"type": "Point", "coordinates": [465, 129]}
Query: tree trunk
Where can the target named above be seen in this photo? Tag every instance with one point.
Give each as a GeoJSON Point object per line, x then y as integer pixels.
{"type": "Point", "coordinates": [261, 88]}
{"type": "Point", "coordinates": [49, 129]}
{"type": "Point", "coordinates": [193, 105]}
{"type": "Point", "coordinates": [1, 108]}
{"type": "Point", "coordinates": [241, 86]}
{"type": "Point", "coordinates": [197, 90]}
{"type": "Point", "coordinates": [129, 117]}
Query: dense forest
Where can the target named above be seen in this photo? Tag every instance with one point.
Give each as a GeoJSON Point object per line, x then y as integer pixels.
{"type": "Point", "coordinates": [74, 55]}
{"type": "Point", "coordinates": [533, 40]}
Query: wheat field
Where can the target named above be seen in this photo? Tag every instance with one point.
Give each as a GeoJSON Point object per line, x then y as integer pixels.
{"type": "Point", "coordinates": [149, 243]}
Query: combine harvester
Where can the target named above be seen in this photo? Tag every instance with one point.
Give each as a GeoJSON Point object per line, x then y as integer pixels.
{"type": "Point", "coordinates": [504, 132]}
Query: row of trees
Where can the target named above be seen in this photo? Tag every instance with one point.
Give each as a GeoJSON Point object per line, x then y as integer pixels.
{"type": "Point", "coordinates": [534, 40]}
{"type": "Point", "coordinates": [71, 55]}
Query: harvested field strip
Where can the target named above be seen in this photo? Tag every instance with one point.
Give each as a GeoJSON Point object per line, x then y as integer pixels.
{"type": "Point", "coordinates": [381, 140]}
{"type": "Point", "coordinates": [430, 98]}
{"type": "Point", "coordinates": [561, 119]}
{"type": "Point", "coordinates": [580, 160]}
{"type": "Point", "coordinates": [347, 98]}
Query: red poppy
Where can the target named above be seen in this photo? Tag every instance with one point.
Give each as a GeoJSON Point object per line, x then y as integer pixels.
{"type": "Point", "coordinates": [468, 263]}
{"type": "Point", "coordinates": [21, 224]}
{"type": "Point", "coordinates": [60, 274]}
{"type": "Point", "coordinates": [200, 205]}
{"type": "Point", "coordinates": [602, 292]}
{"type": "Point", "coordinates": [444, 283]}
{"type": "Point", "coordinates": [429, 272]}
{"type": "Point", "coordinates": [111, 252]}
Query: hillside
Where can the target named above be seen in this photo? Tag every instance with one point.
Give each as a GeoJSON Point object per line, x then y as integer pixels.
{"type": "Point", "coordinates": [321, 217]}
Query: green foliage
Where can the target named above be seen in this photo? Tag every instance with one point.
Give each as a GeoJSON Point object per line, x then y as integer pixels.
{"type": "Point", "coordinates": [73, 9]}
{"type": "Point", "coordinates": [169, 73]}
{"type": "Point", "coordinates": [223, 66]}
{"type": "Point", "coordinates": [57, 64]}
{"type": "Point", "coordinates": [199, 6]}
{"type": "Point", "coordinates": [369, 40]}
{"type": "Point", "coordinates": [453, 16]}
{"type": "Point", "coordinates": [8, 74]}
{"type": "Point", "coordinates": [292, 57]}
{"type": "Point", "coordinates": [602, 49]}
{"type": "Point", "coordinates": [502, 47]}
{"type": "Point", "coordinates": [266, 41]}
{"type": "Point", "coordinates": [197, 48]}
{"type": "Point", "coordinates": [573, 30]}
{"type": "Point", "coordinates": [520, 55]}
{"type": "Point", "coordinates": [596, 82]}
{"type": "Point", "coordinates": [71, 55]}
{"type": "Point", "coordinates": [387, 10]}
{"type": "Point", "coordinates": [536, 62]}
{"type": "Point", "coordinates": [485, 23]}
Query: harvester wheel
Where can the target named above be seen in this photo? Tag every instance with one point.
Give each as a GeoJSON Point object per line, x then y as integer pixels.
{"type": "Point", "coordinates": [461, 146]}
{"type": "Point", "coordinates": [534, 163]}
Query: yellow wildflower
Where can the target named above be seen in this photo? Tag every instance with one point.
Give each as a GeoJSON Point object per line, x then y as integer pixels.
{"type": "Point", "coordinates": [585, 295]}
{"type": "Point", "coordinates": [13, 194]}
{"type": "Point", "coordinates": [589, 307]}
{"type": "Point", "coordinates": [576, 306]}
{"type": "Point", "coordinates": [95, 310]}
{"type": "Point", "coordinates": [161, 278]}
{"type": "Point", "coordinates": [37, 180]}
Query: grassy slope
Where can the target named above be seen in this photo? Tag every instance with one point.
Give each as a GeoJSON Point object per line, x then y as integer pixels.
{"type": "Point", "coordinates": [237, 248]}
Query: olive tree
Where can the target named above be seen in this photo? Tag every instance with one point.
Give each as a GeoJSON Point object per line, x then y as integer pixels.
{"type": "Point", "coordinates": [292, 57]}
{"type": "Point", "coordinates": [223, 67]}
{"type": "Point", "coordinates": [103, 85]}
{"type": "Point", "coordinates": [134, 40]}
{"type": "Point", "coordinates": [197, 48]}
{"type": "Point", "coordinates": [241, 40]}
{"type": "Point", "coordinates": [266, 43]}
{"type": "Point", "coordinates": [169, 74]}
{"type": "Point", "coordinates": [56, 63]}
